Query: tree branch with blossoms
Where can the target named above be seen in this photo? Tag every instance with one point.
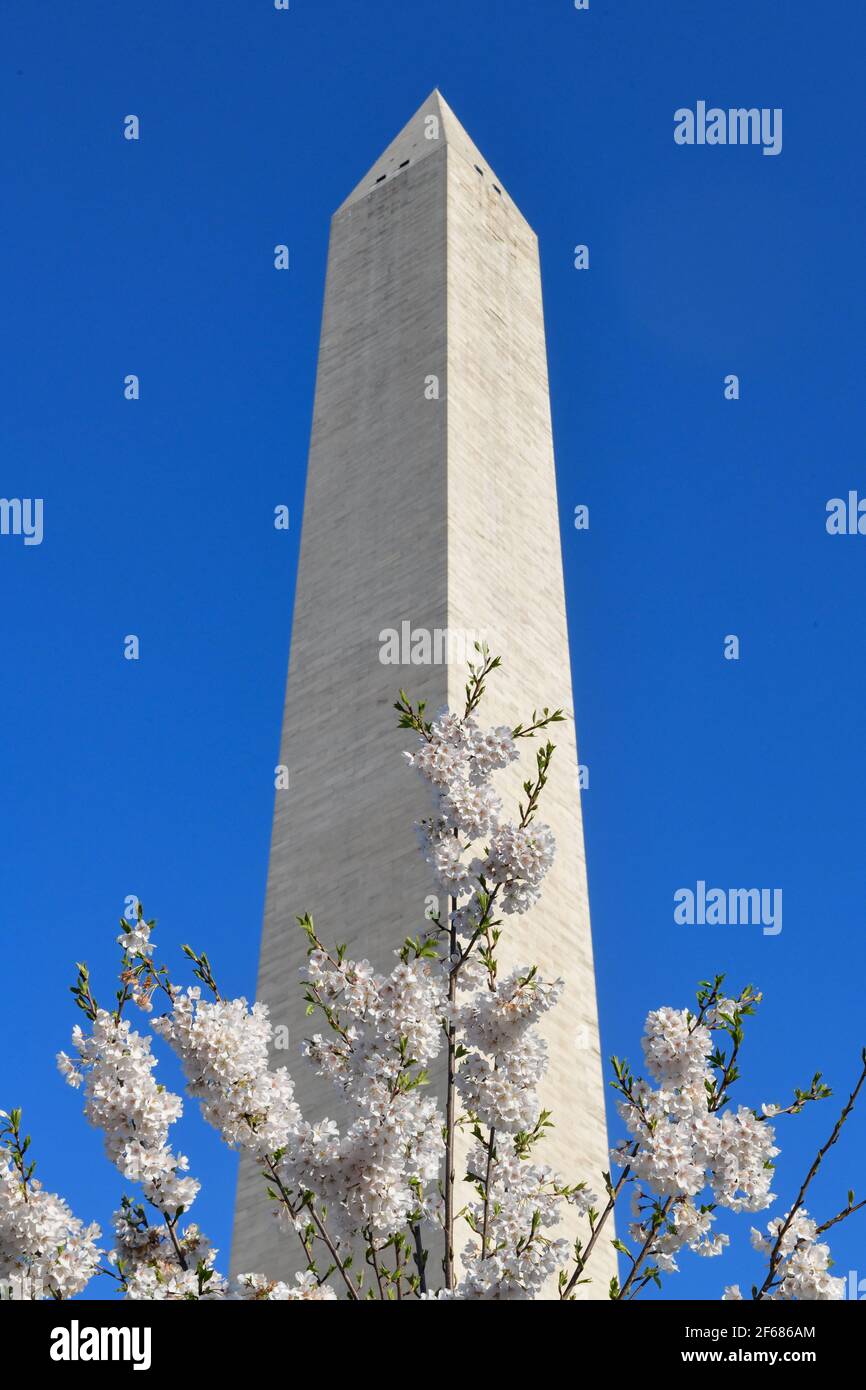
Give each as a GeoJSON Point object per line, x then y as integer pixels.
{"type": "Point", "coordinates": [365, 1202]}
{"type": "Point", "coordinates": [796, 1258]}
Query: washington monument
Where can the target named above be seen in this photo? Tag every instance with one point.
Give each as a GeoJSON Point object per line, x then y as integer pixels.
{"type": "Point", "coordinates": [430, 508]}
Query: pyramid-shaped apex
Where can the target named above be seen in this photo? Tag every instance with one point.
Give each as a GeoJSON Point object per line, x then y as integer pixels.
{"type": "Point", "coordinates": [433, 126]}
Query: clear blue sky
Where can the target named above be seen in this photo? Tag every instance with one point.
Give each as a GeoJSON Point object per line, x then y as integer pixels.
{"type": "Point", "coordinates": [707, 516]}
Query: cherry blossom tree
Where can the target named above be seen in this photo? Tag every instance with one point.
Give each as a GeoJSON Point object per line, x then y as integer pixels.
{"type": "Point", "coordinates": [366, 1203]}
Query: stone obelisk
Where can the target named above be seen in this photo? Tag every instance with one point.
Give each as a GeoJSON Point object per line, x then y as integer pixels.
{"type": "Point", "coordinates": [430, 507]}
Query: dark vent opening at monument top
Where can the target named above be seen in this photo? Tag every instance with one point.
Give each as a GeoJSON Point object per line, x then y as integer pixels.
{"type": "Point", "coordinates": [480, 171]}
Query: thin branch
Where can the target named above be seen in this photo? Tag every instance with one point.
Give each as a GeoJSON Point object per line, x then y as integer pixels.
{"type": "Point", "coordinates": [776, 1252]}
{"type": "Point", "coordinates": [583, 1257]}
{"type": "Point", "coordinates": [420, 1259]}
{"type": "Point", "coordinates": [645, 1248]}
{"type": "Point", "coordinates": [490, 1142]}
{"type": "Point", "coordinates": [450, 1108]}
{"type": "Point", "coordinates": [849, 1211]}
{"type": "Point", "coordinates": [181, 1258]}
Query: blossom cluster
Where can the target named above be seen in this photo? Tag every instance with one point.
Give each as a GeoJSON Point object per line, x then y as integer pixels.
{"type": "Point", "coordinates": [511, 1253]}
{"type": "Point", "coordinates": [390, 1030]}
{"type": "Point", "coordinates": [507, 1059]}
{"type": "Point", "coordinates": [114, 1064]}
{"type": "Point", "coordinates": [682, 1144]}
{"type": "Point", "coordinates": [804, 1264]}
{"type": "Point", "coordinates": [153, 1267]}
{"type": "Point", "coordinates": [45, 1251]}
{"type": "Point", "coordinates": [256, 1288]}
{"type": "Point", "coordinates": [686, 1144]}
{"type": "Point", "coordinates": [223, 1047]}
{"type": "Point", "coordinates": [458, 759]}
{"type": "Point", "coordinates": [511, 1256]}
